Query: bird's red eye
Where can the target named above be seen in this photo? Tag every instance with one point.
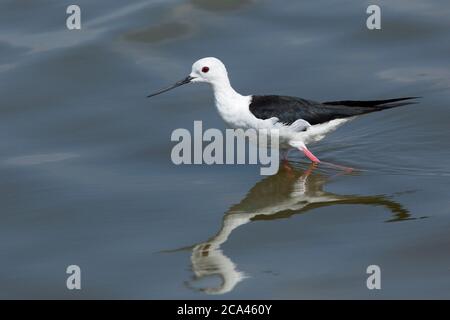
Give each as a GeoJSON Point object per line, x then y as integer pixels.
{"type": "Point", "coordinates": [205, 69]}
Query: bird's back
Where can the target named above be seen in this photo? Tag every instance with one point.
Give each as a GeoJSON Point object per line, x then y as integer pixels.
{"type": "Point", "coordinates": [289, 109]}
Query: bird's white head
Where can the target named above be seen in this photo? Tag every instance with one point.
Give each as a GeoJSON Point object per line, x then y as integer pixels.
{"type": "Point", "coordinates": [210, 70]}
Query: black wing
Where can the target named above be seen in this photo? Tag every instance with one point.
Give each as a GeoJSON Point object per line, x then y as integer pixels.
{"type": "Point", "coordinates": [289, 109]}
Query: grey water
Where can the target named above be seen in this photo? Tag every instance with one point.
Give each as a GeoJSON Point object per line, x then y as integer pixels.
{"type": "Point", "coordinates": [86, 176]}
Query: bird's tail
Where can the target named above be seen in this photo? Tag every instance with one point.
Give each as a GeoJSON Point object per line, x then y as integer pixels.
{"type": "Point", "coordinates": [375, 105]}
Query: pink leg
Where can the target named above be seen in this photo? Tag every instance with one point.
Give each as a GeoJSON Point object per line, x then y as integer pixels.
{"type": "Point", "coordinates": [309, 154]}
{"type": "Point", "coordinates": [314, 159]}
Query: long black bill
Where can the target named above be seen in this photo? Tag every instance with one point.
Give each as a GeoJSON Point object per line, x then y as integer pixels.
{"type": "Point", "coordinates": [179, 83]}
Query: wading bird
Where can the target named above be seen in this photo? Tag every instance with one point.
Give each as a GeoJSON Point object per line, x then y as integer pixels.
{"type": "Point", "coordinates": [299, 121]}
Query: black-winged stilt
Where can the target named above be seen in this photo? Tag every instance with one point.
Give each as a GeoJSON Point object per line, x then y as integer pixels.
{"type": "Point", "coordinates": [299, 121]}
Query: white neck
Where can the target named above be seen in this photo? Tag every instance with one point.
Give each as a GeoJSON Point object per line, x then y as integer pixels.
{"type": "Point", "coordinates": [232, 106]}
{"type": "Point", "coordinates": [224, 90]}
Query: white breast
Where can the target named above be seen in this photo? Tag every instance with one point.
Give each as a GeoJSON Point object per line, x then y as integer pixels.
{"type": "Point", "coordinates": [234, 109]}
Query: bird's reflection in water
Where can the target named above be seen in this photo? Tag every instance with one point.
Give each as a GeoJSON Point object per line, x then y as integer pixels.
{"type": "Point", "coordinates": [291, 191]}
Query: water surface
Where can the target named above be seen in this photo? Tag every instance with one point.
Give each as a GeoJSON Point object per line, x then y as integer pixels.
{"type": "Point", "coordinates": [87, 177]}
